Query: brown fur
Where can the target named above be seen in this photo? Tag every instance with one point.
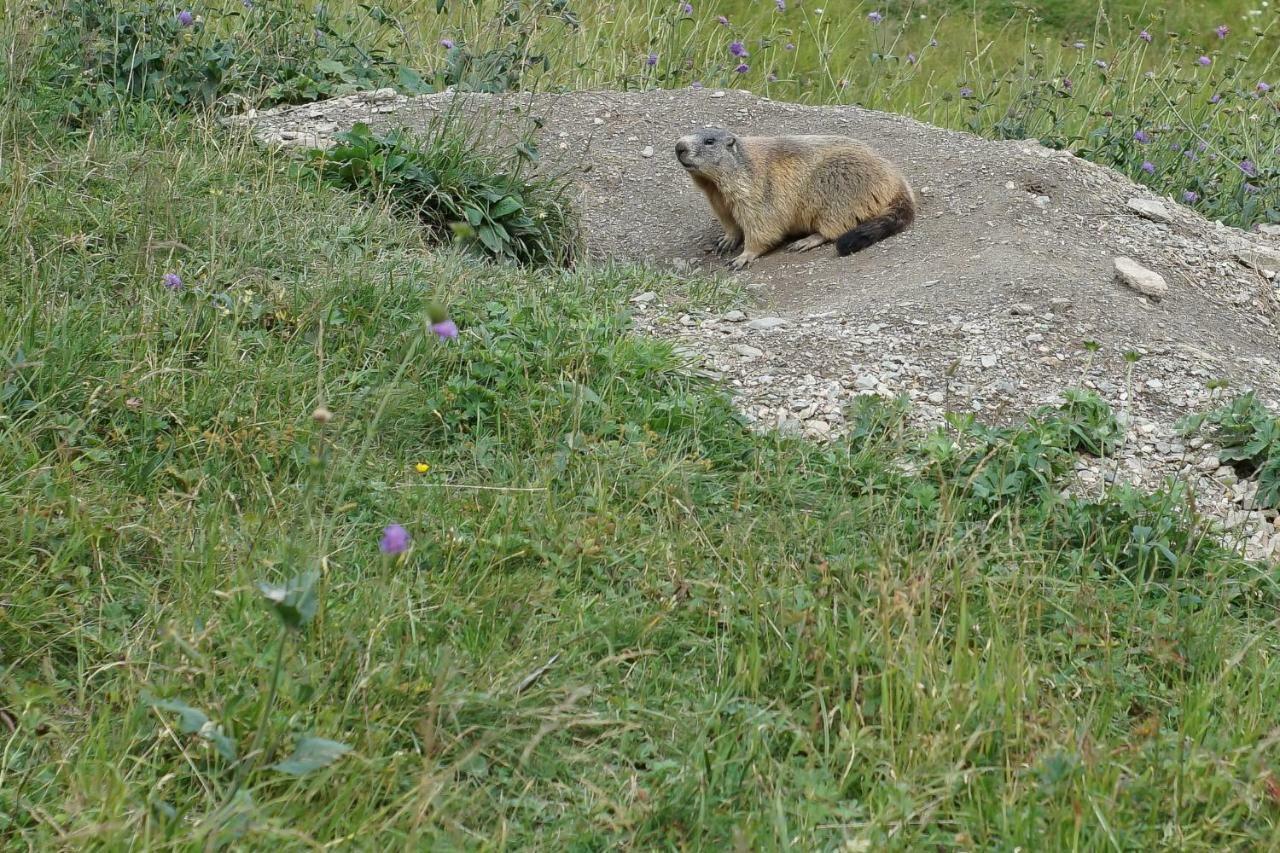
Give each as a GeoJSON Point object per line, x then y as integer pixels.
{"type": "Point", "coordinates": [766, 190]}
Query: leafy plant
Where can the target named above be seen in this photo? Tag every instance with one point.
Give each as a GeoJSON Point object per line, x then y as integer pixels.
{"type": "Point", "coordinates": [456, 192]}
{"type": "Point", "coordinates": [1248, 436]}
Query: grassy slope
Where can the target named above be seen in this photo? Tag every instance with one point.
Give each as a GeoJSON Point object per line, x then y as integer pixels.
{"type": "Point", "coordinates": [758, 641]}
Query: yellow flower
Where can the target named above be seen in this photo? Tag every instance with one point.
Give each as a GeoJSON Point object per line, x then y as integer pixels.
{"type": "Point", "coordinates": [422, 467]}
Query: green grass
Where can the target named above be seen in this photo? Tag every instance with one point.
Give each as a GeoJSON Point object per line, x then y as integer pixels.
{"type": "Point", "coordinates": [625, 619]}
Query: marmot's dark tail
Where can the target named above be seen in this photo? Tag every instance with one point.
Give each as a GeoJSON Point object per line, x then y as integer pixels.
{"type": "Point", "coordinates": [901, 213]}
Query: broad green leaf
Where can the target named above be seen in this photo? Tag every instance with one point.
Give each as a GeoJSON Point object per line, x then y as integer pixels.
{"type": "Point", "coordinates": [295, 602]}
{"type": "Point", "coordinates": [196, 722]}
{"type": "Point", "coordinates": [311, 753]}
{"type": "Point", "coordinates": [505, 207]}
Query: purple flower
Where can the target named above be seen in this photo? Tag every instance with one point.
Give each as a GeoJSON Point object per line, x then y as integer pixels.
{"type": "Point", "coordinates": [1216, 97]}
{"type": "Point", "coordinates": [875, 17]}
{"type": "Point", "coordinates": [1142, 136]}
{"type": "Point", "coordinates": [1066, 83]}
{"type": "Point", "coordinates": [1190, 197]}
{"type": "Point", "coordinates": [1148, 167]}
{"type": "Point", "coordinates": [1079, 45]}
{"type": "Point", "coordinates": [447, 44]}
{"type": "Point", "coordinates": [172, 280]}
{"type": "Point", "coordinates": [1250, 188]}
{"type": "Point", "coordinates": [651, 60]}
{"type": "Point", "coordinates": [1204, 60]}
{"type": "Point", "coordinates": [696, 84]}
{"type": "Point", "coordinates": [248, 4]}
{"type": "Point", "coordinates": [781, 4]}
{"type": "Point", "coordinates": [1264, 87]}
{"type": "Point", "coordinates": [1248, 168]}
{"type": "Point", "coordinates": [966, 92]}
{"type": "Point", "coordinates": [788, 46]}
{"type": "Point", "coordinates": [1100, 63]}
{"type": "Point", "coordinates": [1145, 36]}
{"type": "Point", "coordinates": [738, 49]}
{"type": "Point", "coordinates": [1223, 31]}
{"type": "Point", "coordinates": [186, 18]}
{"type": "Point", "coordinates": [1201, 146]}
{"type": "Point", "coordinates": [722, 20]}
{"type": "Point", "coordinates": [395, 540]}
{"type": "Point", "coordinates": [687, 8]}
{"type": "Point", "coordinates": [933, 42]}
{"type": "Point", "coordinates": [911, 59]}
{"type": "Point", "coordinates": [743, 68]}
{"type": "Point", "coordinates": [772, 78]}
{"type": "Point", "coordinates": [445, 329]}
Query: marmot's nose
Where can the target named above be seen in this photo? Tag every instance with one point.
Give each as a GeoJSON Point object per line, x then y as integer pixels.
{"type": "Point", "coordinates": [682, 147]}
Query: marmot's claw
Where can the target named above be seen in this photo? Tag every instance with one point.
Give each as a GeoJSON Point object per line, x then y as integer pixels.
{"type": "Point", "coordinates": [740, 263]}
{"type": "Point", "coordinates": [727, 244]}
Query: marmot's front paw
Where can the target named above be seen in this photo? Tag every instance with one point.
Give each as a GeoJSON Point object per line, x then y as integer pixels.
{"type": "Point", "coordinates": [727, 244]}
{"type": "Point", "coordinates": [742, 261]}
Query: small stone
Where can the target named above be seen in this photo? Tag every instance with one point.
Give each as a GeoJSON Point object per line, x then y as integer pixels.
{"type": "Point", "coordinates": [867, 382]}
{"type": "Point", "coordinates": [988, 361]}
{"type": "Point", "coordinates": [647, 151]}
{"type": "Point", "coordinates": [1209, 464]}
{"type": "Point", "coordinates": [1152, 210]}
{"type": "Point", "coordinates": [937, 398]}
{"type": "Point", "coordinates": [1041, 201]}
{"type": "Point", "coordinates": [817, 429]}
{"type": "Point", "coordinates": [644, 298]}
{"type": "Point", "coordinates": [1022, 309]}
{"type": "Point", "coordinates": [764, 324]}
{"type": "Point", "coordinates": [1155, 384]}
{"type": "Point", "coordinates": [734, 316]}
{"type": "Point", "coordinates": [747, 351]}
{"type": "Point", "coordinates": [1141, 279]}
{"type": "Point", "coordinates": [1270, 230]}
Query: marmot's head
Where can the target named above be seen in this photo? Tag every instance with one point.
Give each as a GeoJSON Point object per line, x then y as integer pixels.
{"type": "Point", "coordinates": [711, 151]}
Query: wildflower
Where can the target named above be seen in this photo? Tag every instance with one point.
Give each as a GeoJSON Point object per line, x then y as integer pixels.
{"type": "Point", "coordinates": [1079, 45]}
{"type": "Point", "coordinates": [1250, 188]}
{"type": "Point", "coordinates": [743, 68]}
{"type": "Point", "coordinates": [186, 18]}
{"type": "Point", "coordinates": [875, 17]}
{"type": "Point", "coordinates": [1264, 87]}
{"type": "Point", "coordinates": [651, 60]}
{"type": "Point", "coordinates": [1142, 136]}
{"type": "Point", "coordinates": [445, 329]}
{"type": "Point", "coordinates": [687, 8]}
{"type": "Point", "coordinates": [788, 46]}
{"type": "Point", "coordinates": [781, 4]}
{"type": "Point", "coordinates": [321, 415]}
{"type": "Point", "coordinates": [722, 20]}
{"type": "Point", "coordinates": [772, 78]}
{"type": "Point", "coordinates": [133, 404]}
{"type": "Point", "coordinates": [1216, 97]}
{"type": "Point", "coordinates": [1190, 197]}
{"type": "Point", "coordinates": [911, 59]}
{"type": "Point", "coordinates": [172, 280]}
{"type": "Point", "coordinates": [738, 49]}
{"type": "Point", "coordinates": [1223, 31]}
{"type": "Point", "coordinates": [933, 42]}
{"type": "Point", "coordinates": [1148, 167]}
{"type": "Point", "coordinates": [1145, 36]}
{"type": "Point", "coordinates": [1204, 60]}
{"type": "Point", "coordinates": [1100, 63]}
{"type": "Point", "coordinates": [395, 540]}
{"type": "Point", "coordinates": [966, 92]}
{"type": "Point", "coordinates": [422, 467]}
{"type": "Point", "coordinates": [248, 4]}
{"type": "Point", "coordinates": [696, 84]}
{"type": "Point", "coordinates": [1201, 146]}
{"type": "Point", "coordinates": [1248, 168]}
{"type": "Point", "coordinates": [447, 44]}
{"type": "Point", "coordinates": [1067, 84]}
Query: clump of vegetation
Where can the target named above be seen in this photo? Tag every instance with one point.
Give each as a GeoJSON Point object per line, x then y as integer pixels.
{"type": "Point", "coordinates": [457, 191]}
{"type": "Point", "coordinates": [1248, 439]}
{"type": "Point", "coordinates": [216, 54]}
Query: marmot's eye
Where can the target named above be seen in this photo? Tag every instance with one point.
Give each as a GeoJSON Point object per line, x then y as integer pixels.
{"type": "Point", "coordinates": [709, 141]}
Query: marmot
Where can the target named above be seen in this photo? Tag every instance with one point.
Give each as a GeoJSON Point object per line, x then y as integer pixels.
{"type": "Point", "coordinates": [768, 189]}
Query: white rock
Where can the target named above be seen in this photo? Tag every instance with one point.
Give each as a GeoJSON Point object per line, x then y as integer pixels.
{"type": "Point", "coordinates": [734, 316]}
{"type": "Point", "coordinates": [1210, 464]}
{"type": "Point", "coordinates": [1270, 230]}
{"type": "Point", "coordinates": [764, 324]}
{"type": "Point", "coordinates": [1145, 281]}
{"type": "Point", "coordinates": [1153, 210]}
{"type": "Point", "coordinates": [937, 398]}
{"type": "Point", "coordinates": [747, 351]}
{"type": "Point", "coordinates": [1155, 384]}
{"type": "Point", "coordinates": [647, 151]}
{"type": "Point", "coordinates": [644, 298]}
{"type": "Point", "coordinates": [867, 382]}
{"type": "Point", "coordinates": [988, 361]}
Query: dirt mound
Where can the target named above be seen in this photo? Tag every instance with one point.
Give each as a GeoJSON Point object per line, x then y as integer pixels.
{"type": "Point", "coordinates": [1003, 293]}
